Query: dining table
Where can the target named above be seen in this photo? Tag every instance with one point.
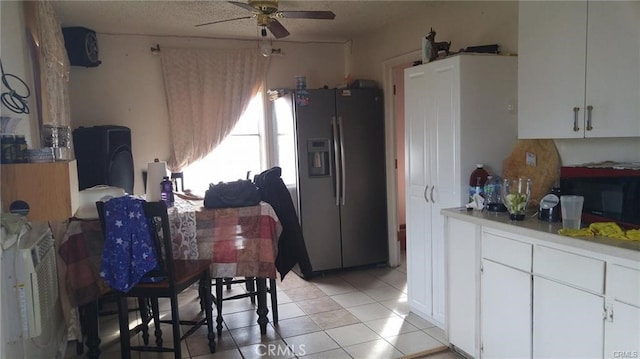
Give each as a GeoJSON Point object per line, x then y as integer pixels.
{"type": "Point", "coordinates": [239, 242]}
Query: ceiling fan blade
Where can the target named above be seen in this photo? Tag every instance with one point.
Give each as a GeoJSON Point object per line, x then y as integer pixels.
{"type": "Point", "coordinates": [277, 29]}
{"type": "Point", "coordinates": [243, 5]}
{"type": "Point", "coordinates": [219, 21]}
{"type": "Point", "coordinates": [322, 15]}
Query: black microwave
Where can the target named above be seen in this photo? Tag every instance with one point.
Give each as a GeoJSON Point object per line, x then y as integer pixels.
{"type": "Point", "coordinates": [611, 191]}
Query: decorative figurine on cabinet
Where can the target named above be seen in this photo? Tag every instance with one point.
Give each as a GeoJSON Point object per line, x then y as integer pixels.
{"type": "Point", "coordinates": [434, 48]}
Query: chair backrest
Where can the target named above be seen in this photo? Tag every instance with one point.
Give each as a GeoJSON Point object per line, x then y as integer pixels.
{"type": "Point", "coordinates": [178, 176]}
{"type": "Point", "coordinates": [158, 221]}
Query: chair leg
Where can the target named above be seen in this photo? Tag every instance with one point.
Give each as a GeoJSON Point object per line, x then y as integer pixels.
{"type": "Point", "coordinates": [175, 320]}
{"type": "Point", "coordinates": [219, 284]}
{"type": "Point", "coordinates": [205, 283]}
{"type": "Point", "coordinates": [123, 320]}
{"type": "Point", "coordinates": [274, 300]}
{"type": "Point", "coordinates": [144, 316]}
{"type": "Point", "coordinates": [228, 282]}
{"type": "Point", "coordinates": [155, 308]}
{"type": "Point", "coordinates": [250, 286]}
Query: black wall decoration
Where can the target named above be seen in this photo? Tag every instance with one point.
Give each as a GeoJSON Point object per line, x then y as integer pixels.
{"type": "Point", "coordinates": [82, 46]}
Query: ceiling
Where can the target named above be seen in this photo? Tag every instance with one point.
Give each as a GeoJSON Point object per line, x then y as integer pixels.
{"type": "Point", "coordinates": [177, 18]}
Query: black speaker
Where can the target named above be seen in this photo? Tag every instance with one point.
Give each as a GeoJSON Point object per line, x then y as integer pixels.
{"type": "Point", "coordinates": [104, 156]}
{"type": "Point", "coordinates": [82, 46]}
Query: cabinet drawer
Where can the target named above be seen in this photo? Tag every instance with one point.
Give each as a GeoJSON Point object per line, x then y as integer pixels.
{"type": "Point", "coordinates": [573, 269]}
{"type": "Point", "coordinates": [623, 284]}
{"type": "Point", "coordinates": [507, 251]}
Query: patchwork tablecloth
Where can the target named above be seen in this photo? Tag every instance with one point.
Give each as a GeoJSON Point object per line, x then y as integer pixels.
{"type": "Point", "coordinates": [238, 241]}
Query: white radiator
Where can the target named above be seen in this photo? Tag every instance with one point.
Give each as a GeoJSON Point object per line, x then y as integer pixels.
{"type": "Point", "coordinates": [32, 324]}
{"type": "Point", "coordinates": [37, 281]}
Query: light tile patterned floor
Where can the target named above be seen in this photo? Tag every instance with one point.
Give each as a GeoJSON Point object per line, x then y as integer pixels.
{"type": "Point", "coordinates": [349, 314]}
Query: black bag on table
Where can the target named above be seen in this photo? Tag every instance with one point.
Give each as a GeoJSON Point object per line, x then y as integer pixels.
{"type": "Point", "coordinates": [241, 193]}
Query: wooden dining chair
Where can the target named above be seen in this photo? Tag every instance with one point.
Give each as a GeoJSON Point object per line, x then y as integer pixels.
{"type": "Point", "coordinates": [178, 177]}
{"type": "Point", "coordinates": [171, 276]}
{"type": "Point", "coordinates": [251, 291]}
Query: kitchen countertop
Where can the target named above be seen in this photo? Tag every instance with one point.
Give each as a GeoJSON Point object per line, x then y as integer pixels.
{"type": "Point", "coordinates": [547, 231]}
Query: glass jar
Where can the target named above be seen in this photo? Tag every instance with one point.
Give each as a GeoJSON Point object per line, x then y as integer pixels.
{"type": "Point", "coordinates": [20, 149]}
{"type": "Point", "coordinates": [516, 193]}
{"type": "Point", "coordinates": [493, 195]}
{"type": "Point", "coordinates": [7, 143]}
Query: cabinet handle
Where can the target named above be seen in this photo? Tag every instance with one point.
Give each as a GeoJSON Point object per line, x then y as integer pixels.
{"type": "Point", "coordinates": [431, 194]}
{"type": "Point", "coordinates": [575, 119]}
{"type": "Point", "coordinates": [608, 313]}
{"type": "Point", "coordinates": [424, 194]}
{"type": "Point", "coordinates": [589, 110]}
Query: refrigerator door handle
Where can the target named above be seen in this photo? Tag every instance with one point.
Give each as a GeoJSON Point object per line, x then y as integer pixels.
{"type": "Point", "coordinates": [343, 171]}
{"type": "Point", "coordinates": [336, 175]}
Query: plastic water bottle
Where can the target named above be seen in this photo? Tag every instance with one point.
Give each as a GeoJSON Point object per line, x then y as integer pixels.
{"type": "Point", "coordinates": [166, 191]}
{"type": "Point", "coordinates": [477, 180]}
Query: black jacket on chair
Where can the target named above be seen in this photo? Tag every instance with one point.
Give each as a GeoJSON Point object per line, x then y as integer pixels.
{"type": "Point", "coordinates": [291, 247]}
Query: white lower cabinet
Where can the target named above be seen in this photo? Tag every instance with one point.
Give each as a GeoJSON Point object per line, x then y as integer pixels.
{"type": "Point", "coordinates": [463, 279]}
{"type": "Point", "coordinates": [538, 298]}
{"type": "Point", "coordinates": [622, 331]}
{"type": "Point", "coordinates": [568, 304]}
{"type": "Point", "coordinates": [622, 322]}
{"type": "Point", "coordinates": [506, 311]}
{"type": "Point", "coordinates": [567, 322]}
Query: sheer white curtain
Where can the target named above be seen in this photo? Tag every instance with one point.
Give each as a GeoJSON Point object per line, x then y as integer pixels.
{"type": "Point", "coordinates": [207, 91]}
{"type": "Point", "coordinates": [51, 64]}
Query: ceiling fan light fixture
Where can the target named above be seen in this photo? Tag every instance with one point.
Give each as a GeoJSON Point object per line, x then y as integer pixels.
{"type": "Point", "coordinates": [265, 45]}
{"type": "Point", "coordinates": [265, 6]}
{"type": "Point", "coordinates": [267, 14]}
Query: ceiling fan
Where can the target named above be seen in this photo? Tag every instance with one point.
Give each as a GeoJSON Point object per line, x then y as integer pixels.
{"type": "Point", "coordinates": [267, 14]}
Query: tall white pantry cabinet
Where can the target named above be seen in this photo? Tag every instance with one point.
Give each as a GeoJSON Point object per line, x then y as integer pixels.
{"type": "Point", "coordinates": [459, 111]}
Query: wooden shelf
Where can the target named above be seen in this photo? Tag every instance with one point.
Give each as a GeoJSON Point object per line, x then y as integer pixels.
{"type": "Point", "coordinates": [50, 189]}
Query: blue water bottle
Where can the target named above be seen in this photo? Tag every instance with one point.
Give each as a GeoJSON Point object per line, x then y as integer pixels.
{"type": "Point", "coordinates": [166, 192]}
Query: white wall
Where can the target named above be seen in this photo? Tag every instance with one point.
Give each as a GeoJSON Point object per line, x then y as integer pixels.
{"type": "Point", "coordinates": [464, 23]}
{"type": "Point", "coordinates": [578, 151]}
{"type": "Point", "coordinates": [16, 60]}
{"type": "Point", "coordinates": [127, 88]}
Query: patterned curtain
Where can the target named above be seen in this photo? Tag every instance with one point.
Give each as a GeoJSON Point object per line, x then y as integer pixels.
{"type": "Point", "coordinates": [207, 91]}
{"type": "Point", "coordinates": [51, 64]}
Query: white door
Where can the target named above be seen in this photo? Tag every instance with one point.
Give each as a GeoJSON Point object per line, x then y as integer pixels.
{"type": "Point", "coordinates": [551, 68]}
{"type": "Point", "coordinates": [622, 330]}
{"type": "Point", "coordinates": [418, 183]}
{"type": "Point", "coordinates": [442, 128]}
{"type": "Point", "coordinates": [506, 312]}
{"type": "Point", "coordinates": [567, 322]}
{"type": "Point", "coordinates": [613, 82]}
{"type": "Point", "coordinates": [462, 284]}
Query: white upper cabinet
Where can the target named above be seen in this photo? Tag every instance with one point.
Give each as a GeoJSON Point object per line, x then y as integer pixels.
{"type": "Point", "coordinates": [579, 69]}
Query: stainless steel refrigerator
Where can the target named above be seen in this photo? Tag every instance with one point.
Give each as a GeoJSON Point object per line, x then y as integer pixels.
{"type": "Point", "coordinates": [341, 177]}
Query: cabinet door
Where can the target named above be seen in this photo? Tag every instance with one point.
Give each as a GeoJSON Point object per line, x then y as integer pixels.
{"type": "Point", "coordinates": [567, 322]}
{"type": "Point", "coordinates": [506, 312]}
{"type": "Point", "coordinates": [462, 278]}
{"type": "Point", "coordinates": [622, 331]}
{"type": "Point", "coordinates": [442, 128]}
{"type": "Point", "coordinates": [613, 69]}
{"type": "Point", "coordinates": [551, 68]}
{"type": "Point", "coordinates": [417, 187]}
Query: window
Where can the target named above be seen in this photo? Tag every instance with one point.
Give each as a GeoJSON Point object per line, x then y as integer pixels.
{"type": "Point", "coordinates": [240, 152]}
{"type": "Point", "coordinates": [250, 147]}
{"type": "Point", "coordinates": [286, 147]}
